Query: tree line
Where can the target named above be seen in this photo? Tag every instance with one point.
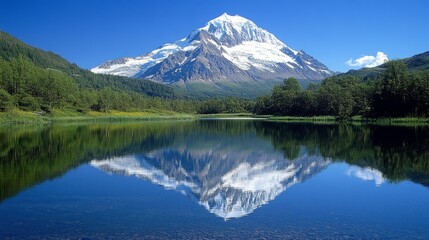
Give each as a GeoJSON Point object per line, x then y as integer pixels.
{"type": "Point", "coordinates": [29, 87]}
{"type": "Point", "coordinates": [396, 92]}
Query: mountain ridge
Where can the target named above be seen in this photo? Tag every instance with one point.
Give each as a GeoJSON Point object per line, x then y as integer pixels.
{"type": "Point", "coordinates": [11, 47]}
{"type": "Point", "coordinates": [228, 49]}
{"type": "Point", "coordinates": [418, 62]}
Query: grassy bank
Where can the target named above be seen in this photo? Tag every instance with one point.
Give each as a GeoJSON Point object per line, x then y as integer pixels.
{"type": "Point", "coordinates": [410, 121]}
{"type": "Point", "coordinates": [313, 119]}
{"type": "Point", "coordinates": [18, 116]}
{"type": "Point", "coordinates": [225, 115]}
{"type": "Point", "coordinates": [354, 120]}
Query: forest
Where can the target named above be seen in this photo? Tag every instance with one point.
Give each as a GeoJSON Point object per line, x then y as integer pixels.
{"type": "Point", "coordinates": [34, 80]}
{"type": "Point", "coordinates": [31, 88]}
{"type": "Point", "coordinates": [395, 92]}
{"type": "Point", "coordinates": [26, 86]}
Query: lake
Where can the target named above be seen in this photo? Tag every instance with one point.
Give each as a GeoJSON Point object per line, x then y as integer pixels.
{"type": "Point", "coordinates": [214, 179]}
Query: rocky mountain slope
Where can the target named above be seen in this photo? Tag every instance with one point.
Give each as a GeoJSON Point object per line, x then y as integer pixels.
{"type": "Point", "coordinates": [227, 51]}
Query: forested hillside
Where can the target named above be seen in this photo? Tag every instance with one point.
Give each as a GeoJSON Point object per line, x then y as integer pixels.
{"type": "Point", "coordinates": [12, 48]}
{"type": "Point", "coordinates": [395, 92]}
{"type": "Point", "coordinates": [416, 63]}
{"type": "Point", "coordinates": [33, 79]}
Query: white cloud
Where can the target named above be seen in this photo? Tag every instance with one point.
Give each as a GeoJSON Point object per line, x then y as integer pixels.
{"type": "Point", "coordinates": [368, 61]}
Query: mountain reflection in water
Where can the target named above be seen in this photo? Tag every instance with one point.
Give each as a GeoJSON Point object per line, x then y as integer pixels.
{"type": "Point", "coordinates": [231, 174]}
{"type": "Point", "coordinates": [307, 181]}
{"type": "Point", "coordinates": [229, 166]}
{"type": "Point", "coordinates": [228, 184]}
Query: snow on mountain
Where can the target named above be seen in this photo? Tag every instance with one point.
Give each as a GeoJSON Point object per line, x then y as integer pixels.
{"type": "Point", "coordinates": [130, 166]}
{"type": "Point", "coordinates": [129, 67]}
{"type": "Point", "coordinates": [229, 185]}
{"type": "Point", "coordinates": [233, 30]}
{"type": "Point", "coordinates": [259, 55]}
{"type": "Point", "coordinates": [227, 48]}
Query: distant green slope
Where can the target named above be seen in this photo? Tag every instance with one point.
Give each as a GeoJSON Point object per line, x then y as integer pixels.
{"type": "Point", "coordinates": [11, 47]}
{"type": "Point", "coordinates": [419, 62]}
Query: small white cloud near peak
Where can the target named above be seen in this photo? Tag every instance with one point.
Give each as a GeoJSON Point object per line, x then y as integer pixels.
{"type": "Point", "coordinates": [368, 61]}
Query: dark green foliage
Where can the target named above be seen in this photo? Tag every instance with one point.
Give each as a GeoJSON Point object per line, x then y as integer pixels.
{"type": "Point", "coordinates": [263, 105]}
{"type": "Point", "coordinates": [89, 80]}
{"type": "Point", "coordinates": [33, 88]}
{"type": "Point", "coordinates": [11, 48]}
{"type": "Point", "coordinates": [22, 57]}
{"type": "Point", "coordinates": [365, 74]}
{"type": "Point", "coordinates": [335, 96]}
{"type": "Point", "coordinates": [33, 79]}
{"type": "Point", "coordinates": [228, 105]}
{"type": "Point", "coordinates": [400, 93]}
{"type": "Point", "coordinates": [212, 106]}
{"type": "Point", "coordinates": [292, 85]}
{"type": "Point", "coordinates": [28, 103]}
{"type": "Point", "coordinates": [6, 101]}
{"type": "Point", "coordinates": [395, 93]}
{"type": "Point", "coordinates": [418, 62]}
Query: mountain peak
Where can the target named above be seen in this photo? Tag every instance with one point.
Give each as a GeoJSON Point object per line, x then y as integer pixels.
{"type": "Point", "coordinates": [232, 30]}
{"type": "Point", "coordinates": [227, 50]}
{"type": "Point", "coordinates": [232, 19]}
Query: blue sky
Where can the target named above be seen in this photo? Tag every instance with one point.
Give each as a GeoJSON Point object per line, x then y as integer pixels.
{"type": "Point", "coordinates": [333, 31]}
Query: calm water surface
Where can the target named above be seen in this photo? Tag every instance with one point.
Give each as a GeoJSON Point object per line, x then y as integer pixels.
{"type": "Point", "coordinates": [214, 179]}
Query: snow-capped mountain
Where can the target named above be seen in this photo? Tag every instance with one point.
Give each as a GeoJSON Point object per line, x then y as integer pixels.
{"type": "Point", "coordinates": [226, 49]}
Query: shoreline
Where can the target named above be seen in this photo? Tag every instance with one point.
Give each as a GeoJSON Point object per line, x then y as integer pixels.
{"type": "Point", "coordinates": [23, 117]}
{"type": "Point", "coordinates": [394, 121]}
